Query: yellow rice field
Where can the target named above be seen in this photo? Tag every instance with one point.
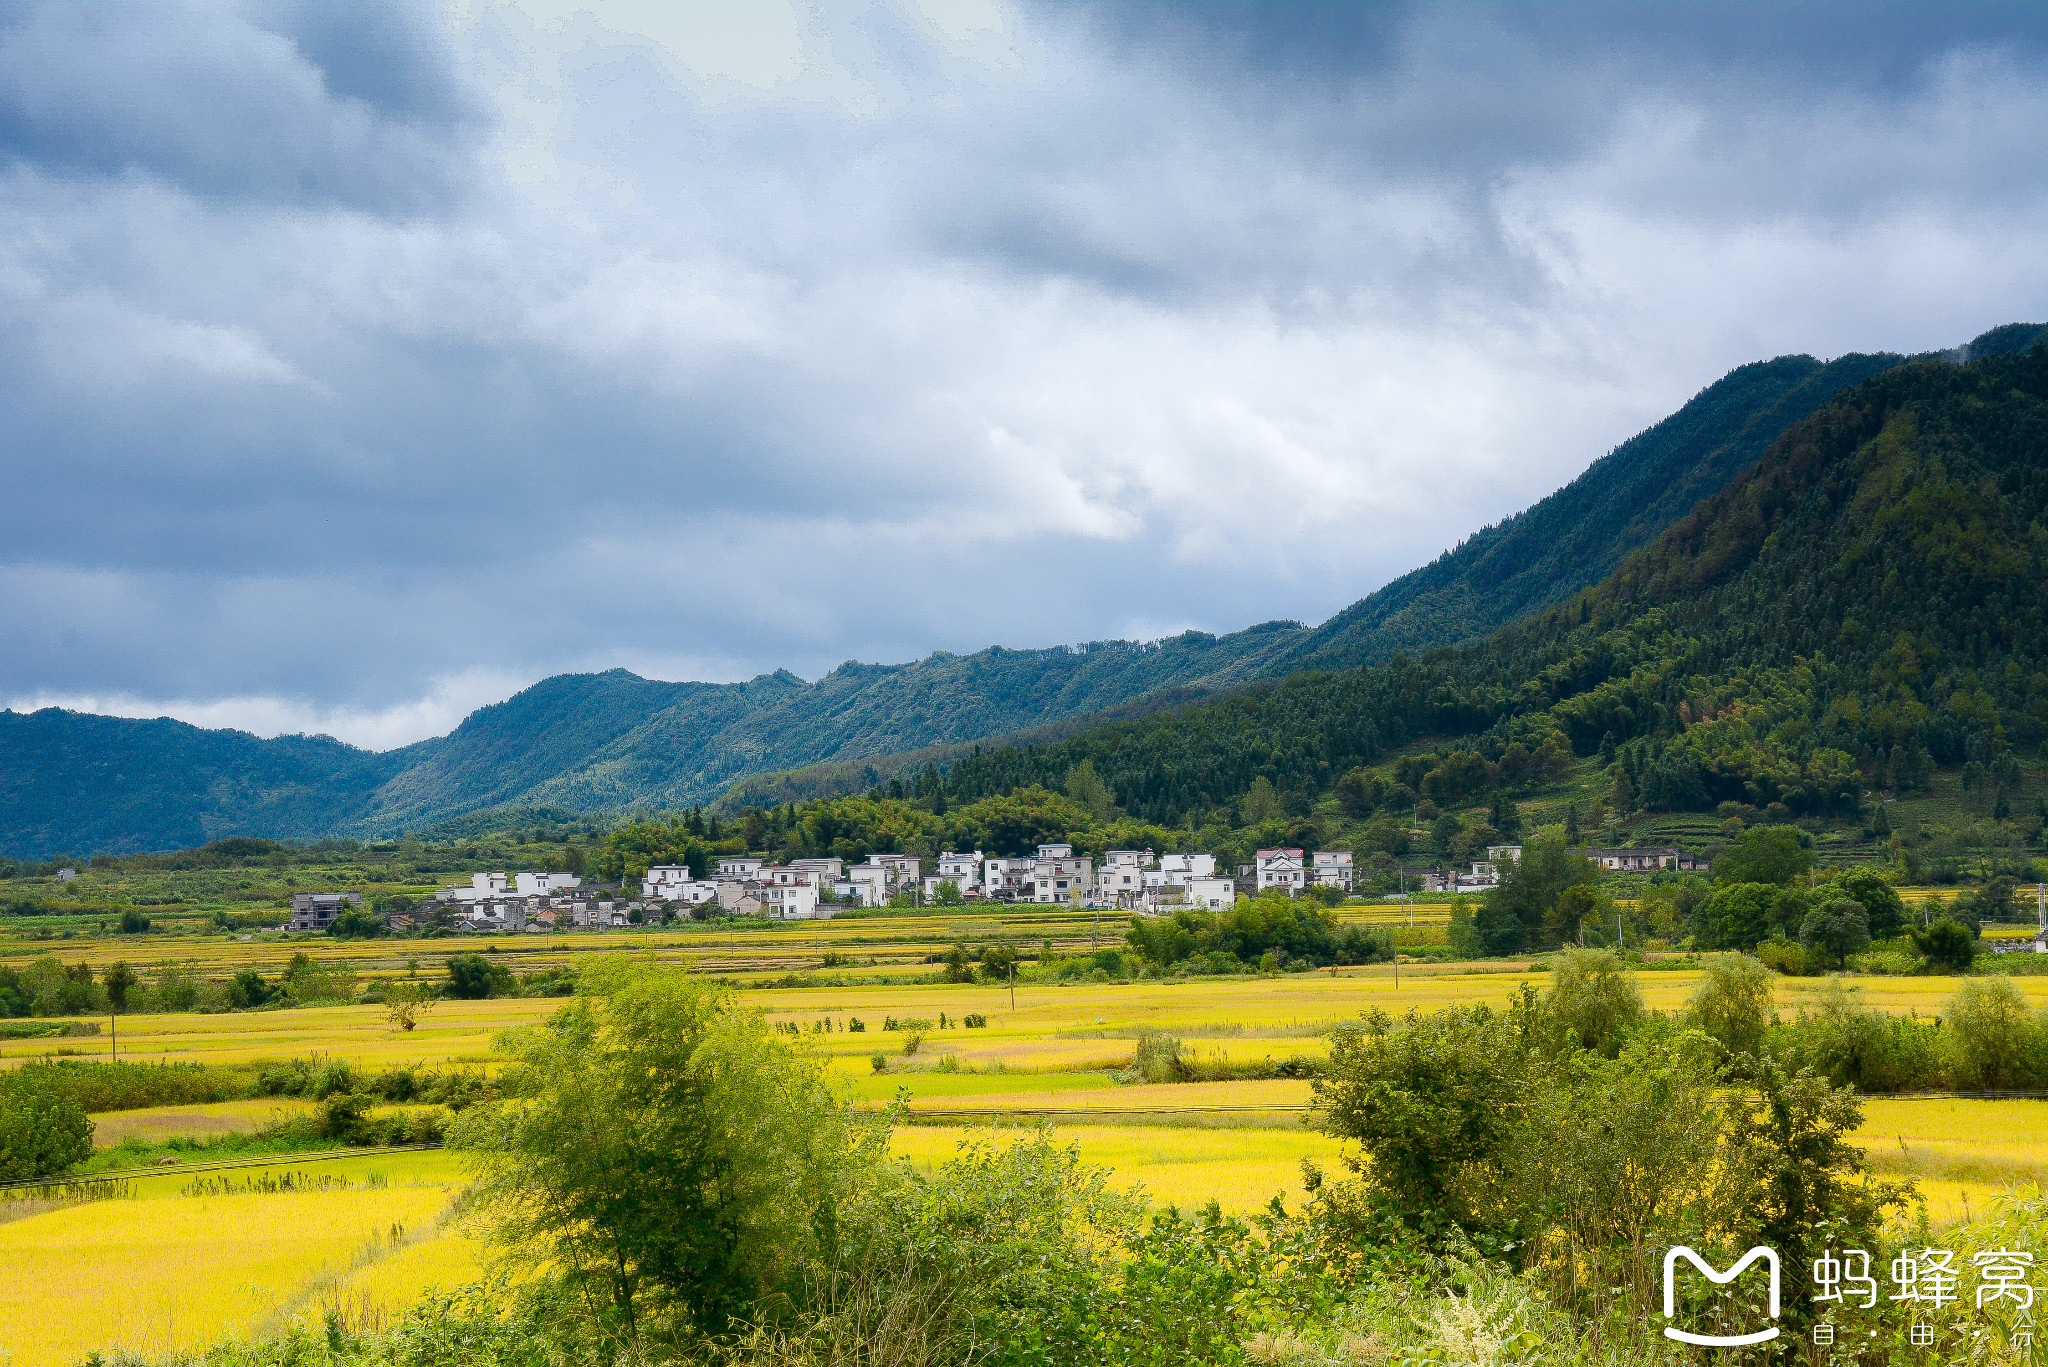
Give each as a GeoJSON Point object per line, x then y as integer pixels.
{"type": "Point", "coordinates": [159, 1270]}
{"type": "Point", "coordinates": [166, 1272]}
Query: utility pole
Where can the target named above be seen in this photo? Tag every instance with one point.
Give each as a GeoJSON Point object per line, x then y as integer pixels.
{"type": "Point", "coordinates": [1013, 985]}
{"type": "Point", "coordinates": [114, 1033]}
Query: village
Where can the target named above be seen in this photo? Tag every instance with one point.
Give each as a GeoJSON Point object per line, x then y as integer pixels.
{"type": "Point", "coordinates": [1137, 881]}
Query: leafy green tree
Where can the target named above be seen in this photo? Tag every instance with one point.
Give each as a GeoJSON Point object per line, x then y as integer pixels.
{"type": "Point", "coordinates": [1946, 944]}
{"type": "Point", "coordinates": [1992, 900]}
{"type": "Point", "coordinates": [1087, 789]}
{"type": "Point", "coordinates": [472, 977]}
{"type": "Point", "coordinates": [358, 923]}
{"type": "Point", "coordinates": [1883, 912]}
{"type": "Point", "coordinates": [404, 1001]}
{"type": "Point", "coordinates": [1835, 930]}
{"type": "Point", "coordinates": [959, 964]}
{"type": "Point", "coordinates": [1764, 854]}
{"type": "Point", "coordinates": [1790, 1176]}
{"type": "Point", "coordinates": [1513, 916]}
{"type": "Point", "coordinates": [1361, 792]}
{"type": "Point", "coordinates": [1592, 1000]}
{"type": "Point", "coordinates": [997, 963]}
{"type": "Point", "coordinates": [1261, 803]}
{"type": "Point", "coordinates": [661, 1147]}
{"type": "Point", "coordinates": [1996, 1042]}
{"type": "Point", "coordinates": [1616, 1152]}
{"type": "Point", "coordinates": [1733, 1002]}
{"type": "Point", "coordinates": [1436, 1106]}
{"type": "Point", "coordinates": [43, 1128]}
{"type": "Point", "coordinates": [247, 990]}
{"type": "Point", "coordinates": [947, 894]}
{"type": "Point", "coordinates": [133, 922]}
{"type": "Point", "coordinates": [1736, 916]}
{"type": "Point", "coordinates": [118, 981]}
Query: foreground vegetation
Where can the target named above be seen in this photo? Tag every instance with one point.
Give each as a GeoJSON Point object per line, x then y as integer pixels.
{"type": "Point", "coordinates": [668, 1178]}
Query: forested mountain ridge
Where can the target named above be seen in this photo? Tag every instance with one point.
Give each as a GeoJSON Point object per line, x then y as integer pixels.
{"type": "Point", "coordinates": [72, 783]}
{"type": "Point", "coordinates": [613, 742]}
{"type": "Point", "coordinates": [1577, 535]}
{"type": "Point", "coordinates": [1865, 603]}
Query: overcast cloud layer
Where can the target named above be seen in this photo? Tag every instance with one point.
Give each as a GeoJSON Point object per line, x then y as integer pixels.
{"type": "Point", "coordinates": [363, 364]}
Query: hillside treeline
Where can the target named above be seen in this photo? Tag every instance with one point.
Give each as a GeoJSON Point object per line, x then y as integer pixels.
{"type": "Point", "coordinates": [1863, 605]}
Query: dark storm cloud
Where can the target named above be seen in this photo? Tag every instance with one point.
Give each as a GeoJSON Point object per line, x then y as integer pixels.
{"type": "Point", "coordinates": [364, 362]}
{"type": "Point", "coordinates": [307, 104]}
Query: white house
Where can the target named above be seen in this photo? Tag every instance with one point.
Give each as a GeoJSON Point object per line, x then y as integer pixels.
{"type": "Point", "coordinates": [868, 883]}
{"type": "Point", "coordinates": [662, 877]}
{"type": "Point", "coordinates": [904, 869]}
{"type": "Point", "coordinates": [1059, 875]}
{"type": "Point", "coordinates": [741, 866]}
{"type": "Point", "coordinates": [963, 871]}
{"type": "Point", "coordinates": [789, 901]}
{"type": "Point", "coordinates": [1333, 869]}
{"type": "Point", "coordinates": [1005, 878]}
{"type": "Point", "coordinates": [542, 884]}
{"type": "Point", "coordinates": [482, 887]}
{"type": "Point", "coordinates": [1211, 894]}
{"type": "Point", "coordinates": [1122, 875]}
{"type": "Point", "coordinates": [1281, 870]}
{"type": "Point", "coordinates": [821, 870]}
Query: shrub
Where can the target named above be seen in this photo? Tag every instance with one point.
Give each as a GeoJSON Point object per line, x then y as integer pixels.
{"type": "Point", "coordinates": [1592, 999]}
{"type": "Point", "coordinates": [472, 977]}
{"type": "Point", "coordinates": [1995, 1042]}
{"type": "Point", "coordinates": [1157, 1058]}
{"type": "Point", "coordinates": [1435, 1106]}
{"type": "Point", "coordinates": [43, 1128]}
{"type": "Point", "coordinates": [663, 1149]}
{"type": "Point", "coordinates": [133, 1086]}
{"type": "Point", "coordinates": [1862, 1047]}
{"type": "Point", "coordinates": [1733, 1002]}
{"type": "Point", "coordinates": [1788, 957]}
{"type": "Point", "coordinates": [1946, 944]}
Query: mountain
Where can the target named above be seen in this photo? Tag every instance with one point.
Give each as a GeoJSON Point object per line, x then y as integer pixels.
{"type": "Point", "coordinates": [614, 742]}
{"type": "Point", "coordinates": [1562, 544]}
{"type": "Point", "coordinates": [1866, 602]}
{"type": "Point", "coordinates": [72, 783]}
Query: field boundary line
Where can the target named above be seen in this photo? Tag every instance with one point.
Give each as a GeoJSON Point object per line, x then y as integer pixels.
{"type": "Point", "coordinates": [174, 1169]}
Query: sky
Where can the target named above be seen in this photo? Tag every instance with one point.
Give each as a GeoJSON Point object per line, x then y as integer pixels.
{"type": "Point", "coordinates": [364, 363]}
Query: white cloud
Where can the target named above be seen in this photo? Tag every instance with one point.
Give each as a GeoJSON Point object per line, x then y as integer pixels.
{"type": "Point", "coordinates": [446, 702]}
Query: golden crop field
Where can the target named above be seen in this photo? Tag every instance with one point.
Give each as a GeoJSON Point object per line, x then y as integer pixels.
{"type": "Point", "coordinates": [160, 1269]}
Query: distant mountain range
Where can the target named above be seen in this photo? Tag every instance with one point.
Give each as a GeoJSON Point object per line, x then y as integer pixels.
{"type": "Point", "coordinates": [76, 784]}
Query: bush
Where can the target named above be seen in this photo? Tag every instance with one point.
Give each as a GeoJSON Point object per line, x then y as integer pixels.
{"type": "Point", "coordinates": [1861, 1047]}
{"type": "Point", "coordinates": [472, 977]}
{"type": "Point", "coordinates": [1995, 1042]}
{"type": "Point", "coordinates": [1947, 944]}
{"type": "Point", "coordinates": [1592, 999]}
{"type": "Point", "coordinates": [1733, 1002]}
{"type": "Point", "coordinates": [1788, 957]}
{"type": "Point", "coordinates": [1435, 1105]}
{"type": "Point", "coordinates": [133, 1086]}
{"type": "Point", "coordinates": [43, 1128]}
{"type": "Point", "coordinates": [666, 1151]}
{"type": "Point", "coordinates": [1157, 1059]}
